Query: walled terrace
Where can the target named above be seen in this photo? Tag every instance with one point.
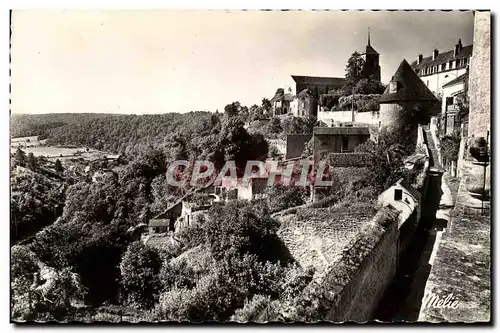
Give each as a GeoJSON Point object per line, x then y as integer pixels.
{"type": "Point", "coordinates": [462, 263]}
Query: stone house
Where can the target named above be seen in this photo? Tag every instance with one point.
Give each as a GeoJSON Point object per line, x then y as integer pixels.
{"type": "Point", "coordinates": [159, 226]}
{"type": "Point", "coordinates": [337, 140]}
{"type": "Point", "coordinates": [283, 103]}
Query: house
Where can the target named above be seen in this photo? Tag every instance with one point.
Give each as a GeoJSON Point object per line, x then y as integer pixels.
{"type": "Point", "coordinates": [254, 189]}
{"type": "Point", "coordinates": [454, 94]}
{"type": "Point", "coordinates": [337, 140]}
{"type": "Point", "coordinates": [406, 96]}
{"type": "Point", "coordinates": [167, 218]}
{"type": "Point", "coordinates": [283, 103]}
{"type": "Point", "coordinates": [103, 175]}
{"type": "Point", "coordinates": [307, 104]}
{"type": "Point", "coordinates": [403, 196]}
{"type": "Point", "coordinates": [159, 226]}
{"type": "Point", "coordinates": [440, 68]}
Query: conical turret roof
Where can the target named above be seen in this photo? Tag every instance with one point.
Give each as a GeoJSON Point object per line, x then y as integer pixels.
{"type": "Point", "coordinates": [405, 85]}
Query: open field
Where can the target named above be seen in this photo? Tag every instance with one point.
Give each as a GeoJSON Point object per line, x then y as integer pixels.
{"type": "Point", "coordinates": [30, 144]}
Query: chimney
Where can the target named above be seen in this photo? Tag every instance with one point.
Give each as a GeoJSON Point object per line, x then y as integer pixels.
{"type": "Point", "coordinates": [435, 54]}
{"type": "Point", "coordinates": [420, 57]}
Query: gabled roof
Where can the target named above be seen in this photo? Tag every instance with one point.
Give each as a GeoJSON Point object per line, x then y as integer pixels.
{"type": "Point", "coordinates": [409, 87]}
{"type": "Point", "coordinates": [442, 58]}
{"type": "Point", "coordinates": [461, 79]}
{"type": "Point", "coordinates": [341, 131]}
{"type": "Point", "coordinates": [330, 81]}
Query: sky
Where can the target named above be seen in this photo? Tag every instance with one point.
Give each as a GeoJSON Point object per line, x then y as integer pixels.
{"type": "Point", "coordinates": [158, 61]}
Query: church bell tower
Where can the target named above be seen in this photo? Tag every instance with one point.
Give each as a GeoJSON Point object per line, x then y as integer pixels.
{"type": "Point", "coordinates": [372, 66]}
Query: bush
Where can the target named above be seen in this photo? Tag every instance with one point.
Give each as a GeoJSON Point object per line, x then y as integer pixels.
{"type": "Point", "coordinates": [282, 197]}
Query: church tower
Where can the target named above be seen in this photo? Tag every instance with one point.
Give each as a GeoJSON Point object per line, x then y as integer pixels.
{"type": "Point", "coordinates": [371, 57]}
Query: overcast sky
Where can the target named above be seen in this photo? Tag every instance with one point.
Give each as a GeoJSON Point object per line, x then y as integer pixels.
{"type": "Point", "coordinates": [178, 61]}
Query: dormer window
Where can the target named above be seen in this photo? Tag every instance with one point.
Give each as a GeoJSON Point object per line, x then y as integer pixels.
{"type": "Point", "coordinates": [393, 86]}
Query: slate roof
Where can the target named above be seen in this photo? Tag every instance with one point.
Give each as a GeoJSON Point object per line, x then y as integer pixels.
{"type": "Point", "coordinates": [320, 80]}
{"type": "Point", "coordinates": [342, 130]}
{"type": "Point", "coordinates": [442, 58]}
{"type": "Point", "coordinates": [462, 78]}
{"type": "Point", "coordinates": [407, 186]}
{"type": "Point", "coordinates": [370, 50]}
{"type": "Point", "coordinates": [409, 87]}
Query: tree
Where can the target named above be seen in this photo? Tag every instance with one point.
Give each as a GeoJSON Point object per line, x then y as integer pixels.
{"type": "Point", "coordinates": [353, 73]}
{"type": "Point", "coordinates": [31, 162]}
{"type": "Point", "coordinates": [238, 228]}
{"type": "Point", "coordinates": [369, 86]}
{"type": "Point", "coordinates": [450, 145]}
{"type": "Point", "coordinates": [232, 109]}
{"type": "Point", "coordinates": [20, 157]}
{"type": "Point", "coordinates": [266, 104]}
{"type": "Point", "coordinates": [58, 166]}
{"type": "Point", "coordinates": [140, 268]}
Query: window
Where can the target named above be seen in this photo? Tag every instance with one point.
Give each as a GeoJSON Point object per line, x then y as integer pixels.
{"type": "Point", "coordinates": [398, 194]}
{"type": "Point", "coordinates": [450, 64]}
{"type": "Point", "coordinates": [449, 100]}
{"type": "Point", "coordinates": [427, 83]}
{"type": "Point", "coordinates": [443, 67]}
{"type": "Point", "coordinates": [457, 63]}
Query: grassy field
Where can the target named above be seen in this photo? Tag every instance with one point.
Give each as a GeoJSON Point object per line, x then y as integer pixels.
{"type": "Point", "coordinates": [31, 144]}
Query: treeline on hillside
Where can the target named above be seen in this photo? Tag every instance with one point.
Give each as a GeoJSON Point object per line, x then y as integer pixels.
{"type": "Point", "coordinates": [39, 124]}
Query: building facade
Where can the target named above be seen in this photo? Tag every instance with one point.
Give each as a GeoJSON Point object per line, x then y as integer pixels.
{"type": "Point", "coordinates": [454, 94]}
{"type": "Point", "coordinates": [440, 68]}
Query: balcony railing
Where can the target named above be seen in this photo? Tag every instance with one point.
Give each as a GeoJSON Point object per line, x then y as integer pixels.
{"type": "Point", "coordinates": [452, 107]}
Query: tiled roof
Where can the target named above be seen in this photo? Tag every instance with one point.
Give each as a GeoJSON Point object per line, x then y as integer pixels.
{"type": "Point", "coordinates": [442, 58]}
{"type": "Point", "coordinates": [342, 130]}
{"type": "Point", "coordinates": [330, 81]}
{"type": "Point", "coordinates": [462, 78]}
{"type": "Point", "coordinates": [409, 87]}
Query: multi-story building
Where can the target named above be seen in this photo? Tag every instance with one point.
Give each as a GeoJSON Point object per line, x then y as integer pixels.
{"type": "Point", "coordinates": [441, 68]}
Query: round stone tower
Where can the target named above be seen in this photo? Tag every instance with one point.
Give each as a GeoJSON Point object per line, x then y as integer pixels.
{"type": "Point", "coordinates": [406, 102]}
